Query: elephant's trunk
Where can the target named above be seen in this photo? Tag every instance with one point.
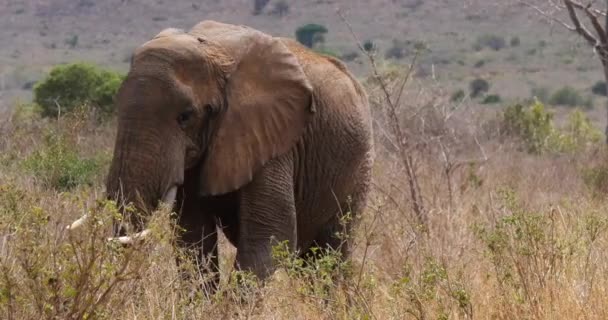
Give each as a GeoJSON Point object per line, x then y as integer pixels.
{"type": "Point", "coordinates": [147, 167]}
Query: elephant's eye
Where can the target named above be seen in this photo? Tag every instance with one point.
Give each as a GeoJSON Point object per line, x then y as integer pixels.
{"type": "Point", "coordinates": [184, 117]}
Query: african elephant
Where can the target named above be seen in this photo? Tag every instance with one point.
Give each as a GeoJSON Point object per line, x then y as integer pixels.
{"type": "Point", "coordinates": [254, 135]}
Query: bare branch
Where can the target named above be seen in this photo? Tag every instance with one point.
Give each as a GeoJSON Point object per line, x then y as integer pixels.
{"type": "Point", "coordinates": [548, 16]}
{"type": "Point", "coordinates": [578, 26]}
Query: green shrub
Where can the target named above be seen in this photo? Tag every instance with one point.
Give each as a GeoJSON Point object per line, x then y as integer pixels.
{"type": "Point", "coordinates": [567, 96]}
{"type": "Point", "coordinates": [491, 41]}
{"type": "Point", "coordinates": [599, 88]}
{"type": "Point", "coordinates": [534, 126]}
{"type": "Point", "coordinates": [522, 244]}
{"type": "Point", "coordinates": [478, 87]}
{"type": "Point", "coordinates": [48, 274]}
{"type": "Point", "coordinates": [457, 96]}
{"type": "Point", "coordinates": [73, 85]}
{"type": "Point", "coordinates": [515, 41]}
{"type": "Point", "coordinates": [578, 133]}
{"type": "Point", "coordinates": [59, 166]}
{"type": "Point", "coordinates": [311, 34]}
{"type": "Point", "coordinates": [492, 99]}
{"type": "Point", "coordinates": [369, 46]}
{"type": "Point", "coordinates": [596, 179]}
{"type": "Point", "coordinates": [72, 42]}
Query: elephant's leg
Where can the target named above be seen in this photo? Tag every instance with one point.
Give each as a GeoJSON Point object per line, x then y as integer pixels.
{"type": "Point", "coordinates": [267, 216]}
{"type": "Point", "coordinates": [335, 234]}
{"type": "Point", "coordinates": [200, 241]}
{"type": "Point", "coordinates": [199, 237]}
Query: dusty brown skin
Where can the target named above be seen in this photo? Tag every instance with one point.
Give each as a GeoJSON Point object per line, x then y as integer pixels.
{"type": "Point", "coordinates": [264, 138]}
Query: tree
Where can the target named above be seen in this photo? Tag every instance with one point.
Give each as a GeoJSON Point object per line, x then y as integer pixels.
{"type": "Point", "coordinates": [69, 86]}
{"type": "Point", "coordinates": [310, 34]}
{"type": "Point", "coordinates": [588, 19]}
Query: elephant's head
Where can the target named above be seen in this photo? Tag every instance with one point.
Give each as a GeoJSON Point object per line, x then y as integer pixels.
{"type": "Point", "coordinates": [218, 102]}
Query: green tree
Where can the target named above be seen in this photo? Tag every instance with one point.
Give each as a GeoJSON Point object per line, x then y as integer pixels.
{"type": "Point", "coordinates": [72, 85]}
{"type": "Point", "coordinates": [310, 34]}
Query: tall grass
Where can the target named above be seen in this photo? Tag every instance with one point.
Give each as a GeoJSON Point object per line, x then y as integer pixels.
{"type": "Point", "coordinates": [462, 223]}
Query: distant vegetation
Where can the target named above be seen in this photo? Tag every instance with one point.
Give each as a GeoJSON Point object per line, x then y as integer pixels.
{"type": "Point", "coordinates": [311, 34]}
{"type": "Point", "coordinates": [491, 41]}
{"type": "Point", "coordinates": [58, 165]}
{"type": "Point", "coordinates": [599, 88]}
{"type": "Point", "coordinates": [568, 96]}
{"type": "Point", "coordinates": [73, 85]}
{"type": "Point", "coordinates": [534, 126]}
{"type": "Point", "coordinates": [491, 99]}
{"type": "Point", "coordinates": [259, 5]}
{"type": "Point", "coordinates": [478, 87]}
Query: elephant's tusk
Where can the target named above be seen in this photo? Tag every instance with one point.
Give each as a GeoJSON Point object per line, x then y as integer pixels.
{"type": "Point", "coordinates": [170, 195]}
{"type": "Point", "coordinates": [78, 223]}
{"type": "Point", "coordinates": [130, 239]}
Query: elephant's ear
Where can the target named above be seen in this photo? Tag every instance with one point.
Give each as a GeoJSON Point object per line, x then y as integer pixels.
{"type": "Point", "coordinates": [269, 104]}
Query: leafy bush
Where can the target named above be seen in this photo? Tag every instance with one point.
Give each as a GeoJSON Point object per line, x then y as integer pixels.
{"type": "Point", "coordinates": [534, 126]}
{"type": "Point", "coordinates": [567, 96]}
{"type": "Point", "coordinates": [72, 42]}
{"type": "Point", "coordinates": [599, 88]}
{"type": "Point", "coordinates": [72, 85]}
{"type": "Point", "coordinates": [578, 133]}
{"type": "Point", "coordinates": [59, 166]}
{"type": "Point", "coordinates": [457, 96]}
{"type": "Point", "coordinates": [319, 271]}
{"type": "Point", "coordinates": [522, 245]}
{"type": "Point", "coordinates": [369, 46]}
{"type": "Point", "coordinates": [491, 99]}
{"type": "Point", "coordinates": [491, 41]}
{"type": "Point", "coordinates": [596, 179]}
{"type": "Point", "coordinates": [479, 86]}
{"type": "Point", "coordinates": [47, 274]}
{"type": "Point", "coordinates": [311, 34]}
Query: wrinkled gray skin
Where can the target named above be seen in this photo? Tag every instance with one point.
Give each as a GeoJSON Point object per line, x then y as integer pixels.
{"type": "Point", "coordinates": [264, 138]}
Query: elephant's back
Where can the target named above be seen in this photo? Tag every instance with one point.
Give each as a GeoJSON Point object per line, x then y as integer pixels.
{"type": "Point", "coordinates": [341, 103]}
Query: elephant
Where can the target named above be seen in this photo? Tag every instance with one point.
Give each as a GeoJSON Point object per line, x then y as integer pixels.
{"type": "Point", "coordinates": [256, 136]}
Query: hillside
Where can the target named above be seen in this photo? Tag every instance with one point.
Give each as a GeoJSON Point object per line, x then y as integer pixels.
{"type": "Point", "coordinates": [40, 34]}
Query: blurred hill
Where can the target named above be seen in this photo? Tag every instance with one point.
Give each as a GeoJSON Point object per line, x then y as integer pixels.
{"type": "Point", "coordinates": [505, 45]}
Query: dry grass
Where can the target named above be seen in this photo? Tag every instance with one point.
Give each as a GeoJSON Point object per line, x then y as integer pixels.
{"type": "Point", "coordinates": [504, 234]}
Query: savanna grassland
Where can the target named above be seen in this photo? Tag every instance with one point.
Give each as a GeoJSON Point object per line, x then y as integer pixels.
{"type": "Point", "coordinates": [477, 211]}
{"type": "Point", "coordinates": [506, 220]}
